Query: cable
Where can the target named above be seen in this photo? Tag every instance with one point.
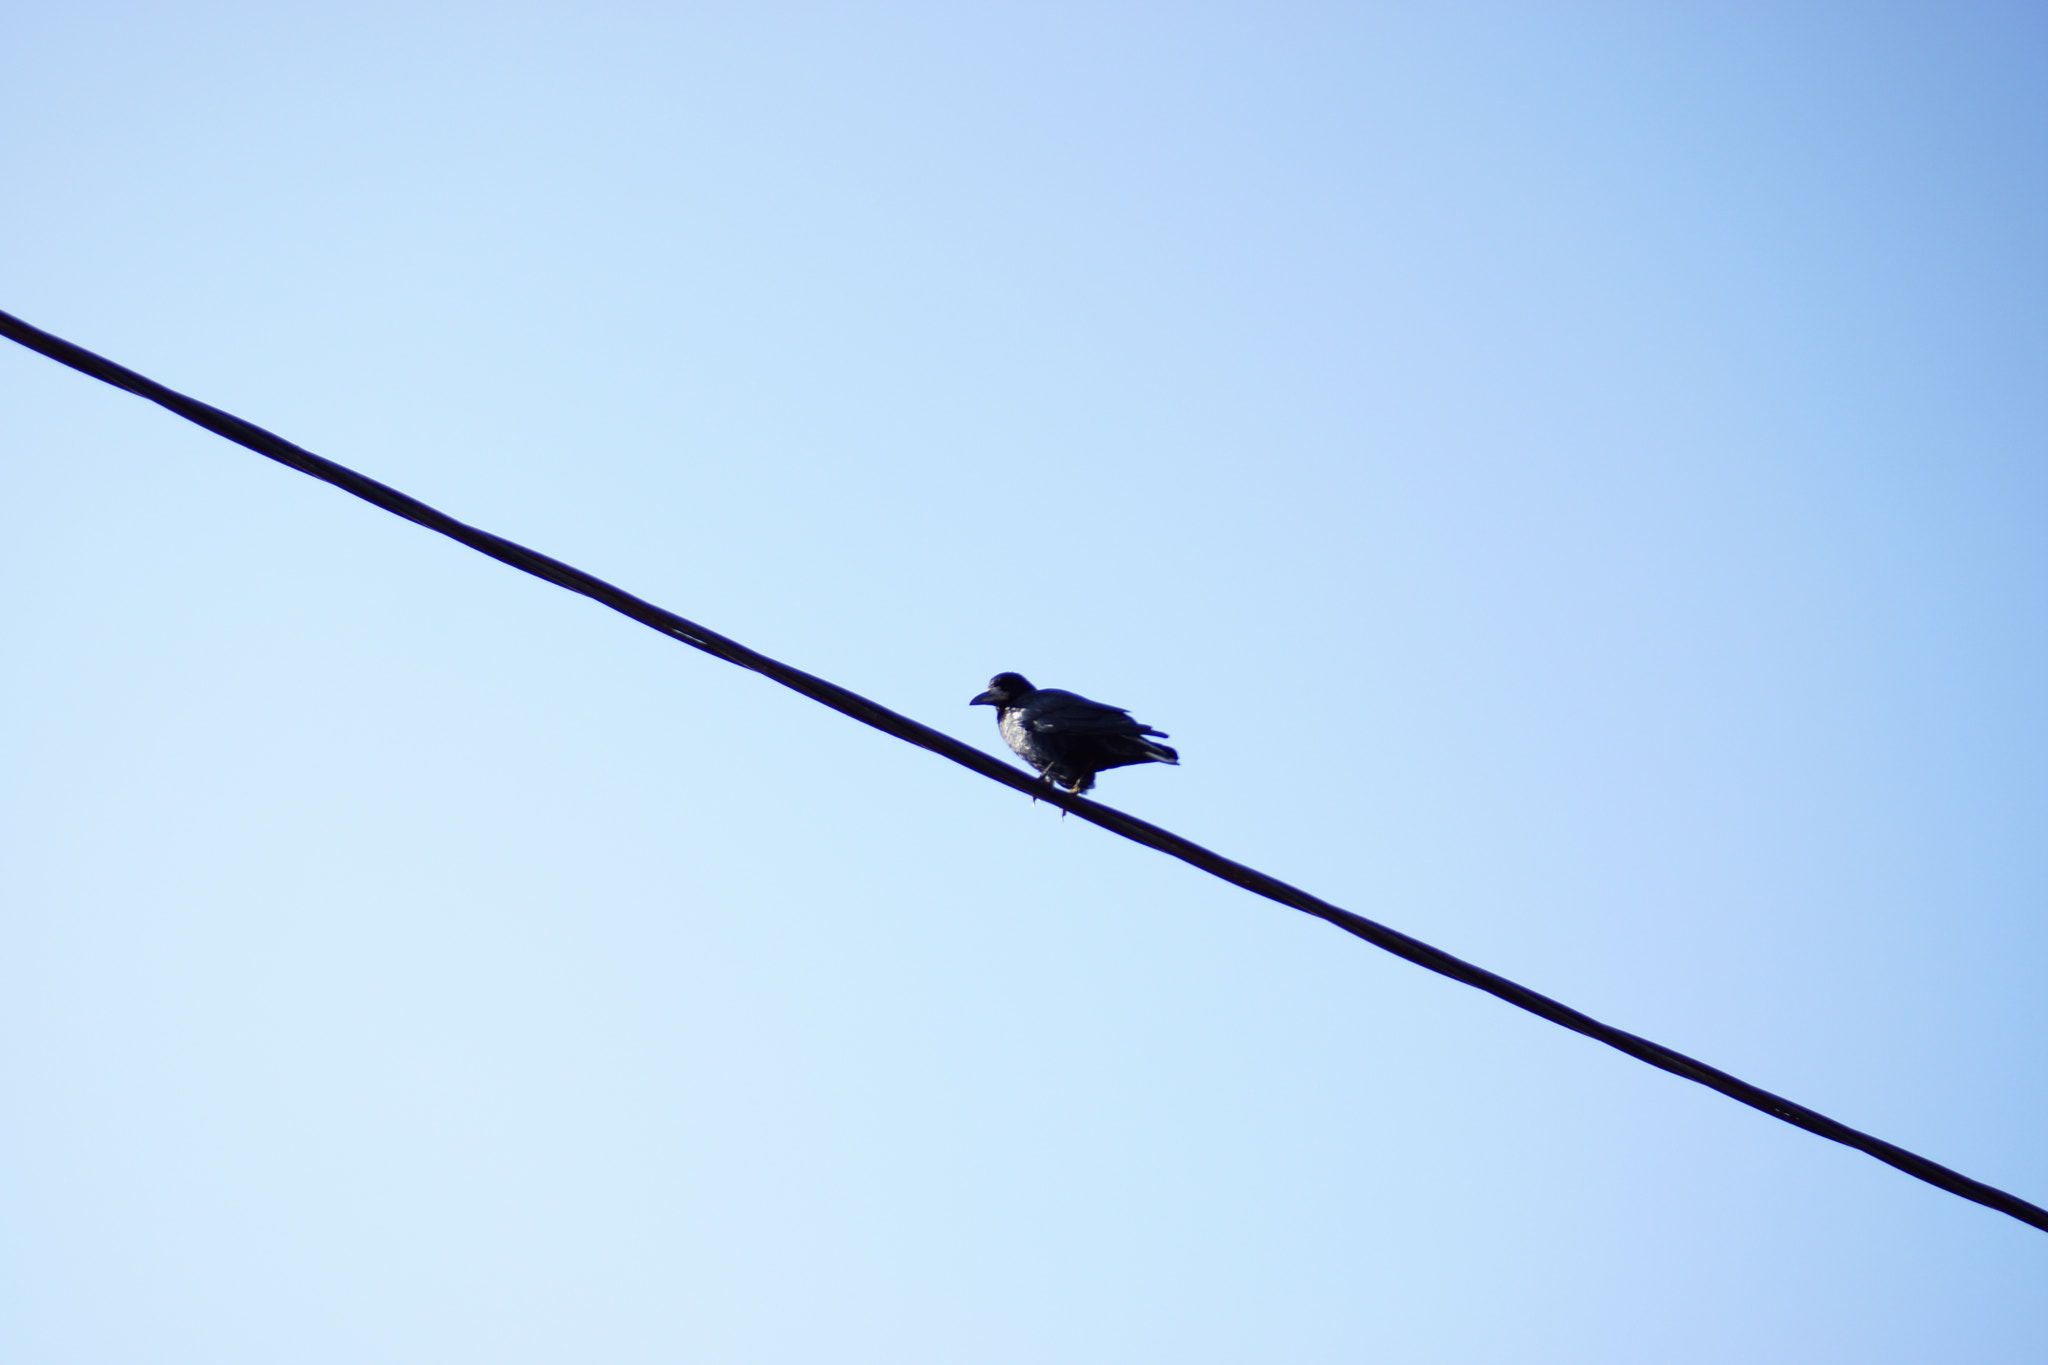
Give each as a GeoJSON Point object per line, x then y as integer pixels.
{"type": "Point", "coordinates": [902, 727]}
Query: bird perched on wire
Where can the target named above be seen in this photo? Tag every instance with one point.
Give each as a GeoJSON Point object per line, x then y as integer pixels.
{"type": "Point", "coordinates": [1067, 738]}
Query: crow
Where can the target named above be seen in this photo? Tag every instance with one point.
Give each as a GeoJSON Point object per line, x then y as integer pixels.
{"type": "Point", "coordinates": [1067, 738]}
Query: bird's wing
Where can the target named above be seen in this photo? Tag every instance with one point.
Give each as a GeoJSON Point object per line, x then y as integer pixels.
{"type": "Point", "coordinates": [1066, 714]}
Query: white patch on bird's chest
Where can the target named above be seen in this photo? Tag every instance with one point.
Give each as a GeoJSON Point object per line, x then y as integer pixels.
{"type": "Point", "coordinates": [1016, 733]}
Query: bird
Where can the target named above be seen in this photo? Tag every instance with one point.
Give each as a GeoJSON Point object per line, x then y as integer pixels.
{"type": "Point", "coordinates": [1067, 738]}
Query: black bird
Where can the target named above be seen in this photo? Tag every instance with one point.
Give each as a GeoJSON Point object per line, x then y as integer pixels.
{"type": "Point", "coordinates": [1067, 738]}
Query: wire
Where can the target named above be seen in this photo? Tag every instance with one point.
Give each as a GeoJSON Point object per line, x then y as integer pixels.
{"type": "Point", "coordinates": [902, 727]}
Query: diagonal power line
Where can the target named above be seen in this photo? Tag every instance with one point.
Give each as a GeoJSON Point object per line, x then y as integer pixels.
{"type": "Point", "coordinates": [902, 727]}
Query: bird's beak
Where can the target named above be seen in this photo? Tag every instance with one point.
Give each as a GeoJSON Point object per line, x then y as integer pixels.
{"type": "Point", "coordinates": [987, 698]}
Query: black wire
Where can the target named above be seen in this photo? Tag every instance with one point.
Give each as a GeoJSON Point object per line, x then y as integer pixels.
{"type": "Point", "coordinates": [904, 728]}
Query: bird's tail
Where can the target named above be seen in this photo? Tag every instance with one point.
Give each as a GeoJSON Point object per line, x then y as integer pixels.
{"type": "Point", "coordinates": [1157, 752]}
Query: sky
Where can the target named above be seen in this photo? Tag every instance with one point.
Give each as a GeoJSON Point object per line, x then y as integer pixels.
{"type": "Point", "coordinates": [1569, 478]}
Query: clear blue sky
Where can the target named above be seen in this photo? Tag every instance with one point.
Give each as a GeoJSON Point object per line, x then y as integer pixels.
{"type": "Point", "coordinates": [1571, 478]}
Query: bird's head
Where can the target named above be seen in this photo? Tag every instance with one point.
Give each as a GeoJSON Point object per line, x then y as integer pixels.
{"type": "Point", "coordinates": [1004, 689]}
